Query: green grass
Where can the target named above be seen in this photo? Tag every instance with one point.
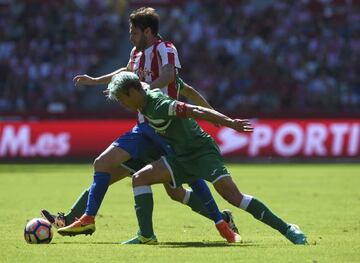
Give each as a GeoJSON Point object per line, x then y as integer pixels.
{"type": "Point", "coordinates": [323, 199]}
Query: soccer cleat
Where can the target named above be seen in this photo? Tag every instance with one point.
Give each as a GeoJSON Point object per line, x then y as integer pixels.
{"type": "Point", "coordinates": [85, 225]}
{"type": "Point", "coordinates": [230, 220]}
{"type": "Point", "coordinates": [226, 232]}
{"type": "Point", "coordinates": [295, 235]}
{"type": "Point", "coordinates": [141, 240]}
{"type": "Point", "coordinates": [57, 221]}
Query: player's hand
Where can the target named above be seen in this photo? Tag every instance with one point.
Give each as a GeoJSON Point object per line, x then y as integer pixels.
{"type": "Point", "coordinates": [242, 125]}
{"type": "Point", "coordinates": [106, 92]}
{"type": "Point", "coordinates": [84, 80]}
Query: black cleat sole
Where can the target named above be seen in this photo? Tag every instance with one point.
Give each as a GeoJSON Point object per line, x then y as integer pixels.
{"type": "Point", "coordinates": [71, 234]}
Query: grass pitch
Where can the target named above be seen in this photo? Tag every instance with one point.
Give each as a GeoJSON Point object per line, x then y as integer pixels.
{"type": "Point", "coordinates": [323, 199]}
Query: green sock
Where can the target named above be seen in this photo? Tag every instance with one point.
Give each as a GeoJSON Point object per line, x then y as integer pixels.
{"type": "Point", "coordinates": [144, 204]}
{"type": "Point", "coordinates": [192, 201]}
{"type": "Point", "coordinates": [262, 213]}
{"type": "Point", "coordinates": [78, 208]}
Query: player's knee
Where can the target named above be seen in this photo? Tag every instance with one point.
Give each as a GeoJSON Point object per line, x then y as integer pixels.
{"type": "Point", "coordinates": [100, 164]}
{"type": "Point", "coordinates": [138, 180]}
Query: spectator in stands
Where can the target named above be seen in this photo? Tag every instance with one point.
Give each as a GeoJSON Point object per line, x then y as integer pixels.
{"type": "Point", "coordinates": [45, 44]}
{"type": "Point", "coordinates": [268, 56]}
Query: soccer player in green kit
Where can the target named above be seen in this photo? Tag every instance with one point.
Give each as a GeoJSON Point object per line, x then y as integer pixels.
{"type": "Point", "coordinates": [196, 155]}
{"type": "Point", "coordinates": [156, 62]}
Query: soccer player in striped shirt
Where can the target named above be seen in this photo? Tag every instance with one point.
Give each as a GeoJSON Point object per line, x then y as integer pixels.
{"type": "Point", "coordinates": [156, 62]}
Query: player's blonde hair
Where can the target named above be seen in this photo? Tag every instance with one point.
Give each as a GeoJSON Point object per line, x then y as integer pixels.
{"type": "Point", "coordinates": [122, 82]}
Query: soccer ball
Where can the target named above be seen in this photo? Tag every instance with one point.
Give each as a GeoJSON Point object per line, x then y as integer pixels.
{"type": "Point", "coordinates": [38, 231]}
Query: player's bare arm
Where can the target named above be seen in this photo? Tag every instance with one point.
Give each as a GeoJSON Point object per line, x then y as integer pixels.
{"type": "Point", "coordinates": [166, 76]}
{"type": "Point", "coordinates": [213, 116]}
{"type": "Point", "coordinates": [80, 80]}
{"type": "Point", "coordinates": [193, 95]}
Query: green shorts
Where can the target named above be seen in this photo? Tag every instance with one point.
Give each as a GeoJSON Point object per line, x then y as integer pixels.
{"type": "Point", "coordinates": [209, 167]}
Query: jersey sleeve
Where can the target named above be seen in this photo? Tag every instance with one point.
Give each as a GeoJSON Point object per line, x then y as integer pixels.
{"type": "Point", "coordinates": [170, 109]}
{"type": "Point", "coordinates": [168, 54]}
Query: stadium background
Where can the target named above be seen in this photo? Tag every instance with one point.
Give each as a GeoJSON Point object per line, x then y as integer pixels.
{"type": "Point", "coordinates": [291, 67]}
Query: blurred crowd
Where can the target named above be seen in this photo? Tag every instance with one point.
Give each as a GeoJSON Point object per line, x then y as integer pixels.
{"type": "Point", "coordinates": [270, 56]}
{"type": "Point", "coordinates": [44, 44]}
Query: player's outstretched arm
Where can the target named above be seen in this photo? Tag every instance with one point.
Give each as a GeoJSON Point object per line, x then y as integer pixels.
{"type": "Point", "coordinates": [213, 116]}
{"type": "Point", "coordinates": [80, 80]}
{"type": "Point", "coordinates": [193, 95]}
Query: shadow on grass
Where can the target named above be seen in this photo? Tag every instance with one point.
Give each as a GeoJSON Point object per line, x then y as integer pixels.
{"type": "Point", "coordinates": [84, 243]}
{"type": "Point", "coordinates": [203, 244]}
{"type": "Point", "coordinates": [168, 244]}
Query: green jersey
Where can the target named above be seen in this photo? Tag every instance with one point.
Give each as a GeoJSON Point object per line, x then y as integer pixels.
{"type": "Point", "coordinates": [167, 117]}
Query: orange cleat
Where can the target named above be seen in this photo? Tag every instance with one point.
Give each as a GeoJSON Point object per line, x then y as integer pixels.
{"type": "Point", "coordinates": [226, 232]}
{"type": "Point", "coordinates": [85, 225]}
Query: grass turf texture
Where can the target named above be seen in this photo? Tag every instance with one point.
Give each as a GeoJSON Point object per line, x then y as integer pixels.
{"type": "Point", "coordinates": [323, 199]}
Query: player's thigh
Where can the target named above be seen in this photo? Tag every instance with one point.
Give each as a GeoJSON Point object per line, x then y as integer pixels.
{"type": "Point", "coordinates": [154, 173]}
{"type": "Point", "coordinates": [119, 173]}
{"type": "Point", "coordinates": [126, 169]}
{"type": "Point", "coordinates": [110, 158]}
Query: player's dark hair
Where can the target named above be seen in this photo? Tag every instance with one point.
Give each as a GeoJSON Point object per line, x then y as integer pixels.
{"type": "Point", "coordinates": [145, 17]}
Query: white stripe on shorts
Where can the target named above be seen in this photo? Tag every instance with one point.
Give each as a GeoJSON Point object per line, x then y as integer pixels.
{"type": "Point", "coordinates": [173, 184]}
{"type": "Point", "coordinates": [221, 176]}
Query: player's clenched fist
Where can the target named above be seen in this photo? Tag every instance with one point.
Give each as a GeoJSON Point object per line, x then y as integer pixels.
{"type": "Point", "coordinates": [242, 125]}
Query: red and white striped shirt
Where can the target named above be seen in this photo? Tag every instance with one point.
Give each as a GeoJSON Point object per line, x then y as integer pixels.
{"type": "Point", "coordinates": [148, 63]}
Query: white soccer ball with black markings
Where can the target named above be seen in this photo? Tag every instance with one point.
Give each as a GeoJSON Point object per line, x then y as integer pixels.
{"type": "Point", "coordinates": [38, 231]}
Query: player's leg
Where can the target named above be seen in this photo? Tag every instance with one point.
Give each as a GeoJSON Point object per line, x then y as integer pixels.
{"type": "Point", "coordinates": [103, 166]}
{"type": "Point", "coordinates": [190, 199]}
{"type": "Point", "coordinates": [153, 173]}
{"type": "Point", "coordinates": [160, 171]}
{"type": "Point", "coordinates": [226, 187]}
{"type": "Point", "coordinates": [203, 193]}
{"type": "Point", "coordinates": [79, 206]}
{"type": "Point", "coordinates": [129, 145]}
{"type": "Point", "coordinates": [198, 199]}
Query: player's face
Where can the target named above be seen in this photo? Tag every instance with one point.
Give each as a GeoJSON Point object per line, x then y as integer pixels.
{"type": "Point", "coordinates": [137, 37]}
